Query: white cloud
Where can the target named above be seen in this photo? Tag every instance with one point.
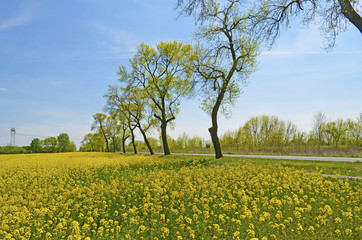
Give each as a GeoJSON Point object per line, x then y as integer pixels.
{"type": "Point", "coordinates": [21, 19]}
{"type": "Point", "coordinates": [3, 89]}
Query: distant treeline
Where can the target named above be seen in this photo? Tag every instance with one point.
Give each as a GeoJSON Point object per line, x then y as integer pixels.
{"type": "Point", "coordinates": [61, 143]}
{"type": "Point", "coordinates": [260, 134]}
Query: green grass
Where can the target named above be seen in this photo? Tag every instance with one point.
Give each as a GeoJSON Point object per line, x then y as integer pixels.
{"type": "Point", "coordinates": [326, 167]}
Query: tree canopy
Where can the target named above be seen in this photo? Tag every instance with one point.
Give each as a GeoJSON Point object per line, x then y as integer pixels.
{"type": "Point", "coordinates": [163, 74]}
{"type": "Point", "coordinates": [227, 56]}
{"type": "Point", "coordinates": [270, 16]}
{"type": "Point", "coordinates": [99, 124]}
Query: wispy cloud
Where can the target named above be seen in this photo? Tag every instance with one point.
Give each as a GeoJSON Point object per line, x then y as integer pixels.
{"type": "Point", "coordinates": [69, 58]}
{"type": "Point", "coordinates": [311, 53]}
{"type": "Point", "coordinates": [3, 89]}
{"type": "Point", "coordinates": [19, 20]}
{"type": "Point", "coordinates": [305, 42]}
{"type": "Point", "coordinates": [118, 39]}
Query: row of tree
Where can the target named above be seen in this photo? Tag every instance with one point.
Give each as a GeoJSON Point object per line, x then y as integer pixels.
{"type": "Point", "coordinates": [61, 143]}
{"type": "Point", "coordinates": [14, 150]}
{"type": "Point", "coordinates": [260, 134]}
{"type": "Point", "coordinates": [215, 68]}
{"type": "Point", "coordinates": [269, 133]}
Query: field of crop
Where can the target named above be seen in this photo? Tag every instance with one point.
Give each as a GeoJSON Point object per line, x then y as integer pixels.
{"type": "Point", "coordinates": [112, 196]}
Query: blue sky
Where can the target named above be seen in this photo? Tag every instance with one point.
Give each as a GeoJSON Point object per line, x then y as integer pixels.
{"type": "Point", "coordinates": [58, 57]}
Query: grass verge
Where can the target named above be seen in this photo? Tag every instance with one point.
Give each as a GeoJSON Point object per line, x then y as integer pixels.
{"type": "Point", "coordinates": [324, 167]}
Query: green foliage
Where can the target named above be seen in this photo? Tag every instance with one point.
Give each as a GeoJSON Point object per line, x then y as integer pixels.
{"type": "Point", "coordinates": [354, 131]}
{"type": "Point", "coordinates": [93, 142]}
{"type": "Point", "coordinates": [154, 142]}
{"type": "Point", "coordinates": [163, 74]}
{"type": "Point", "coordinates": [12, 150]}
{"type": "Point", "coordinates": [160, 76]}
{"type": "Point", "coordinates": [195, 142]}
{"type": "Point", "coordinates": [267, 131]}
{"type": "Point", "coordinates": [35, 145]}
{"type": "Point", "coordinates": [50, 145]}
{"type": "Point", "coordinates": [335, 131]}
{"type": "Point", "coordinates": [61, 143]}
{"type": "Point", "coordinates": [99, 125]}
{"type": "Point", "coordinates": [151, 93]}
{"type": "Point", "coordinates": [271, 135]}
{"type": "Point", "coordinates": [182, 141]}
{"type": "Point", "coordinates": [116, 144]}
{"type": "Point", "coordinates": [64, 144]}
{"type": "Point", "coordinates": [227, 55]}
{"type": "Point", "coordinates": [130, 106]}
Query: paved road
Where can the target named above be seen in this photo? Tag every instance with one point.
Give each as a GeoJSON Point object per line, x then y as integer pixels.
{"type": "Point", "coordinates": [334, 159]}
{"type": "Point", "coordinates": [339, 176]}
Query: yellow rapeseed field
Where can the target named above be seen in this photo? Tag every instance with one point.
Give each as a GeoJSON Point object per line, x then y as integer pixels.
{"type": "Point", "coordinates": [113, 196]}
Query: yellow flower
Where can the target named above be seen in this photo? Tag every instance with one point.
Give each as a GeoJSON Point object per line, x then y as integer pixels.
{"type": "Point", "coordinates": [348, 232]}
{"type": "Point", "coordinates": [101, 195]}
{"type": "Point", "coordinates": [188, 220]}
{"type": "Point", "coordinates": [48, 235]}
{"type": "Point", "coordinates": [236, 235]}
{"type": "Point", "coordinates": [300, 227]}
{"type": "Point", "coordinates": [142, 228]}
{"type": "Point", "coordinates": [165, 231]}
{"type": "Point", "coordinates": [250, 232]}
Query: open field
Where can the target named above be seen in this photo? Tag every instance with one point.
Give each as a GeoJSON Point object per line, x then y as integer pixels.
{"type": "Point", "coordinates": [113, 196]}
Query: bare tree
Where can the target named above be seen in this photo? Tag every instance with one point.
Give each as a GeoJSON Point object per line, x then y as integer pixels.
{"type": "Point", "coordinates": [270, 16]}
{"type": "Point", "coordinates": [319, 126]}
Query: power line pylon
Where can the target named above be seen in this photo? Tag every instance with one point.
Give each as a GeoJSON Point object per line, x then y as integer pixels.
{"type": "Point", "coordinates": [12, 139]}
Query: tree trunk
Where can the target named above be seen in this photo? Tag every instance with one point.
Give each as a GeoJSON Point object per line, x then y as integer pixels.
{"type": "Point", "coordinates": [351, 14]}
{"type": "Point", "coordinates": [214, 137]}
{"type": "Point", "coordinates": [124, 145]}
{"type": "Point", "coordinates": [114, 144]}
{"type": "Point", "coordinates": [124, 138]}
{"type": "Point", "coordinates": [166, 149]}
{"type": "Point", "coordinates": [133, 141]}
{"type": "Point", "coordinates": [104, 135]}
{"type": "Point", "coordinates": [146, 140]}
{"type": "Point", "coordinates": [107, 145]}
{"type": "Point", "coordinates": [214, 127]}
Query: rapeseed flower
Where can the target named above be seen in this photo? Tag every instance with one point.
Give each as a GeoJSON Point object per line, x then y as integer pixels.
{"type": "Point", "coordinates": [106, 196]}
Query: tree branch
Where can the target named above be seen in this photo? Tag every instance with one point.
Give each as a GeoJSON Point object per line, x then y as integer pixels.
{"type": "Point", "coordinates": [349, 12]}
